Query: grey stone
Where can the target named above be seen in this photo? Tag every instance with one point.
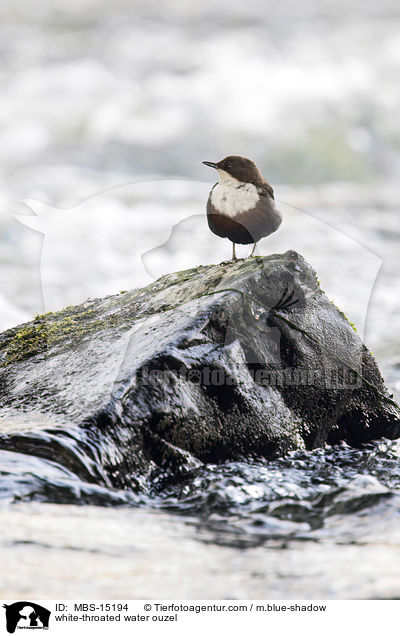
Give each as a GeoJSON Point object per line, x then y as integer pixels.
{"type": "Point", "coordinates": [204, 365]}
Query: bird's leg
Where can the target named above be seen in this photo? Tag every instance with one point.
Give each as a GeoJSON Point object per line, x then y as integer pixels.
{"type": "Point", "coordinates": [253, 250]}
{"type": "Point", "coordinates": [233, 252]}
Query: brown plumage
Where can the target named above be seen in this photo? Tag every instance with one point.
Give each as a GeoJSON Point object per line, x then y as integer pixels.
{"type": "Point", "coordinates": [241, 206]}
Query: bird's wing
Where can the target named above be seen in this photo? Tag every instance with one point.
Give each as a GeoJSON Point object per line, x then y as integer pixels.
{"type": "Point", "coordinates": [266, 190]}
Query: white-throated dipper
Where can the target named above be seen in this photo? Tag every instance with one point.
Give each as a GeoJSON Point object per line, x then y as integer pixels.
{"type": "Point", "coordinates": [241, 206]}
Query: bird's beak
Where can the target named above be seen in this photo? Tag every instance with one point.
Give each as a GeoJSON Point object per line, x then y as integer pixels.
{"type": "Point", "coordinates": [211, 164]}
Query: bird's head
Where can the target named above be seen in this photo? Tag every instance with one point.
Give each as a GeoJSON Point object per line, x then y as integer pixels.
{"type": "Point", "coordinates": [240, 168]}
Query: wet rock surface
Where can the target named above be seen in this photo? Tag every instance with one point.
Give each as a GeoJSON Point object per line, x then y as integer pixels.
{"type": "Point", "coordinates": [229, 362]}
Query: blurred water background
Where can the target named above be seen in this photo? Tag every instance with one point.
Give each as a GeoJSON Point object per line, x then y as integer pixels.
{"type": "Point", "coordinates": [107, 111]}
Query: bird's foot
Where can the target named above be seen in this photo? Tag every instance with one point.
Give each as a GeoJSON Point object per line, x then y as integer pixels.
{"type": "Point", "coordinates": [253, 250]}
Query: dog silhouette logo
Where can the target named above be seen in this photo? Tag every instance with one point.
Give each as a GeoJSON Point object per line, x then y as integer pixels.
{"type": "Point", "coordinates": [26, 615]}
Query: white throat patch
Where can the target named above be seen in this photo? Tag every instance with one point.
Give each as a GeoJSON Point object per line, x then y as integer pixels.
{"type": "Point", "coordinates": [230, 196]}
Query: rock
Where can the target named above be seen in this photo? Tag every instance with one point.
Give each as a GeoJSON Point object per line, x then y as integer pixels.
{"type": "Point", "coordinates": [223, 362]}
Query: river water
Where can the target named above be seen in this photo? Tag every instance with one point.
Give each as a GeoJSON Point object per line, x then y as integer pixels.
{"type": "Point", "coordinates": [106, 114]}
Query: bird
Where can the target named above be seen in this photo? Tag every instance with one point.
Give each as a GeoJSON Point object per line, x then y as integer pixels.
{"type": "Point", "coordinates": [241, 206]}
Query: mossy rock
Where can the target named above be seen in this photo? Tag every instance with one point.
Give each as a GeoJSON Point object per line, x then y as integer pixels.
{"type": "Point", "coordinates": [232, 361]}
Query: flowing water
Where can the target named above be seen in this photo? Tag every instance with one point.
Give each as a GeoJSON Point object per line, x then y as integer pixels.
{"type": "Point", "coordinates": [106, 115]}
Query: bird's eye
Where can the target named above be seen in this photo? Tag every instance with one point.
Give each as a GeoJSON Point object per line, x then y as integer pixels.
{"type": "Point", "coordinates": [228, 164]}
